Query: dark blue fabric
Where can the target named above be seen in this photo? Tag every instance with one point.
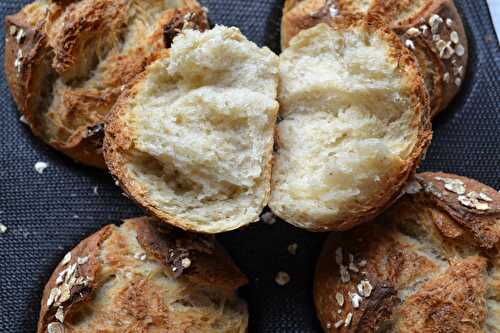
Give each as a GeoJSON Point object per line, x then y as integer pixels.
{"type": "Point", "coordinates": [48, 214]}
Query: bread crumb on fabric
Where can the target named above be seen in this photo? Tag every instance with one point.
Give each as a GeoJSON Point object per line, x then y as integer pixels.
{"type": "Point", "coordinates": [23, 120]}
{"type": "Point", "coordinates": [40, 167]}
{"type": "Point", "coordinates": [268, 218]}
{"type": "Point", "coordinates": [282, 278]}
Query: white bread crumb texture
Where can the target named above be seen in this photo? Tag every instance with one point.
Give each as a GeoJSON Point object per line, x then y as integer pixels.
{"type": "Point", "coordinates": [203, 126]}
{"type": "Point", "coordinates": [348, 123]}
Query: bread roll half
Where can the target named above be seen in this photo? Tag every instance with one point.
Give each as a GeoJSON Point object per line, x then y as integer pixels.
{"type": "Point", "coordinates": [192, 141]}
{"type": "Point", "coordinates": [431, 263]}
{"type": "Point", "coordinates": [355, 124]}
{"type": "Point", "coordinates": [144, 276]}
{"type": "Point", "coordinates": [432, 29]}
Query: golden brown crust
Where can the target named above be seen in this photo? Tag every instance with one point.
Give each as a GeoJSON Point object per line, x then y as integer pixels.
{"type": "Point", "coordinates": [49, 63]}
{"type": "Point", "coordinates": [452, 302]}
{"type": "Point", "coordinates": [79, 293]}
{"type": "Point", "coordinates": [211, 265]}
{"type": "Point", "coordinates": [482, 223]}
{"type": "Point", "coordinates": [104, 256]}
{"type": "Point", "coordinates": [424, 260]}
{"type": "Point", "coordinates": [390, 188]}
{"type": "Point", "coordinates": [443, 73]}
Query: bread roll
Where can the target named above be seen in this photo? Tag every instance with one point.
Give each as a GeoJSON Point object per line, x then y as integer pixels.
{"type": "Point", "coordinates": [431, 263]}
{"type": "Point", "coordinates": [355, 124]}
{"type": "Point", "coordinates": [144, 277]}
{"type": "Point", "coordinates": [66, 62]}
{"type": "Point", "coordinates": [192, 141]}
{"type": "Point", "coordinates": [432, 29]}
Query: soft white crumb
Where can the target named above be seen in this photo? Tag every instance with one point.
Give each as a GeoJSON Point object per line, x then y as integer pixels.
{"type": "Point", "coordinates": [3, 228]}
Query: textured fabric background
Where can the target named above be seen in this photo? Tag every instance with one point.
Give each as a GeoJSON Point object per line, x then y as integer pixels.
{"type": "Point", "coordinates": [48, 214]}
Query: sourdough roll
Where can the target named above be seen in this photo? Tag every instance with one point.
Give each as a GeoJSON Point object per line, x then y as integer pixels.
{"type": "Point", "coordinates": [355, 124]}
{"type": "Point", "coordinates": [144, 277]}
{"type": "Point", "coordinates": [432, 29]}
{"type": "Point", "coordinates": [192, 141]}
{"type": "Point", "coordinates": [431, 263]}
{"type": "Point", "coordinates": [66, 62]}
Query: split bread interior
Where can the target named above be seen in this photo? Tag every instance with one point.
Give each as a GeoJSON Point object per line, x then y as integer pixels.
{"type": "Point", "coordinates": [354, 124]}
{"type": "Point", "coordinates": [192, 141]}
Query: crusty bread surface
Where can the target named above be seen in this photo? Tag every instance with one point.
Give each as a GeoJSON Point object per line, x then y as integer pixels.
{"type": "Point", "coordinates": [355, 124]}
{"type": "Point", "coordinates": [66, 62]}
{"type": "Point", "coordinates": [144, 276]}
{"type": "Point", "coordinates": [431, 263]}
{"type": "Point", "coordinates": [192, 141]}
{"type": "Point", "coordinates": [432, 29]}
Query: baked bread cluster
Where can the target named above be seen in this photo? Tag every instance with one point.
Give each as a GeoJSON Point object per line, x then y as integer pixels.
{"type": "Point", "coordinates": [192, 140]}
{"type": "Point", "coordinates": [431, 29]}
{"type": "Point", "coordinates": [204, 129]}
{"type": "Point", "coordinates": [431, 263]}
{"type": "Point", "coordinates": [355, 124]}
{"type": "Point", "coordinates": [144, 277]}
{"type": "Point", "coordinates": [66, 62]}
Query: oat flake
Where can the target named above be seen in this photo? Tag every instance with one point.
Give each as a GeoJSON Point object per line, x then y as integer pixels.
{"type": "Point", "coordinates": [339, 323]}
{"type": "Point", "coordinates": [55, 328]}
{"type": "Point", "coordinates": [344, 274]}
{"type": "Point", "coordinates": [66, 259]}
{"type": "Point", "coordinates": [460, 50]}
{"type": "Point", "coordinates": [292, 248]}
{"type": "Point", "coordinates": [60, 314]}
{"type": "Point", "coordinates": [365, 288]}
{"type": "Point", "coordinates": [355, 299]}
{"type": "Point", "coordinates": [282, 278]}
{"type": "Point", "coordinates": [340, 299]}
{"type": "Point", "coordinates": [348, 319]}
{"type": "Point", "coordinates": [186, 262]}
{"type": "Point", "coordinates": [485, 197]}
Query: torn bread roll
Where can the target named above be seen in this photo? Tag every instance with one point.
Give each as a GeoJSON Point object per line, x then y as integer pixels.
{"type": "Point", "coordinates": [144, 276]}
{"type": "Point", "coordinates": [192, 140]}
{"type": "Point", "coordinates": [431, 263]}
{"type": "Point", "coordinates": [355, 124]}
{"type": "Point", "coordinates": [66, 62]}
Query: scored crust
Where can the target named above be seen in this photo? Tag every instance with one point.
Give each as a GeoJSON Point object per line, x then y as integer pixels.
{"type": "Point", "coordinates": [247, 81]}
{"type": "Point", "coordinates": [431, 263]}
{"type": "Point", "coordinates": [432, 29]}
{"type": "Point", "coordinates": [66, 63]}
{"type": "Point", "coordinates": [388, 186]}
{"type": "Point", "coordinates": [144, 276]}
